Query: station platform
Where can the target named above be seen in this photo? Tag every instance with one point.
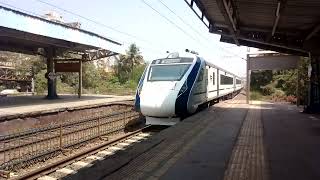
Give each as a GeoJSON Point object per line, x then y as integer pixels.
{"type": "Point", "coordinates": [15, 106]}
{"type": "Point", "coordinates": [228, 141]}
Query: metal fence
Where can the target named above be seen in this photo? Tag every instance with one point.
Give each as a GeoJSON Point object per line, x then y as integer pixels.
{"type": "Point", "coordinates": [26, 147]}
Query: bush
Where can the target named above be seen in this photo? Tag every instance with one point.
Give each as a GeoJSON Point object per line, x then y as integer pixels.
{"type": "Point", "coordinates": [292, 99]}
{"type": "Point", "coordinates": [41, 82]}
{"type": "Point", "coordinates": [268, 90]}
{"type": "Point", "coordinates": [65, 88]}
{"type": "Point", "coordinates": [255, 95]}
{"type": "Point", "coordinates": [279, 95]}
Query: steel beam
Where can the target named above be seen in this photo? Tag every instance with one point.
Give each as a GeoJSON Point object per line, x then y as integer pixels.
{"type": "Point", "coordinates": [230, 16]}
{"type": "Point", "coordinates": [275, 47]}
{"type": "Point", "coordinates": [231, 13]}
{"type": "Point", "coordinates": [276, 21]}
{"type": "Point", "coordinates": [200, 6]}
{"type": "Point", "coordinates": [313, 32]}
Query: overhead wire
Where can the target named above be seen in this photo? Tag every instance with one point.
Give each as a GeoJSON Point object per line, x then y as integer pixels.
{"type": "Point", "coordinates": [191, 27]}
{"type": "Point", "coordinates": [174, 24]}
{"type": "Point", "coordinates": [122, 32]}
{"type": "Point", "coordinates": [100, 24]}
{"type": "Point", "coordinates": [90, 20]}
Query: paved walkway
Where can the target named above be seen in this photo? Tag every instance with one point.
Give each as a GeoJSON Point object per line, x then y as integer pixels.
{"type": "Point", "coordinates": [229, 141]}
{"type": "Point", "coordinates": [197, 148]}
{"type": "Point", "coordinates": [292, 140]}
{"type": "Point", "coordinates": [15, 105]}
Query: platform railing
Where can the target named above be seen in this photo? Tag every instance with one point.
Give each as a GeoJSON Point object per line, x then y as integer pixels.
{"type": "Point", "coordinates": [26, 147]}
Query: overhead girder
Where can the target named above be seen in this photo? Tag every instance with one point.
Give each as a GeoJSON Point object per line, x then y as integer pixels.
{"type": "Point", "coordinates": [229, 12]}
{"type": "Point", "coordinates": [278, 39]}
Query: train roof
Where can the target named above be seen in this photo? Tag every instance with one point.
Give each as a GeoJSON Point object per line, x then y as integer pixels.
{"type": "Point", "coordinates": [193, 55]}
{"type": "Point", "coordinates": [213, 65]}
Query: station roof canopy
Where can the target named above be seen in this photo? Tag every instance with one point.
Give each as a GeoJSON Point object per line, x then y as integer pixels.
{"type": "Point", "coordinates": [21, 32]}
{"type": "Point", "coordinates": [288, 26]}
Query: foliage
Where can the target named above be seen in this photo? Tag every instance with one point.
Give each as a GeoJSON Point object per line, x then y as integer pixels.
{"type": "Point", "coordinates": [282, 85]}
{"type": "Point", "coordinates": [127, 63]}
{"type": "Point", "coordinates": [291, 99]}
{"type": "Point", "coordinates": [279, 95]}
{"type": "Point", "coordinates": [260, 78]}
{"type": "Point", "coordinates": [255, 95]}
{"type": "Point", "coordinates": [137, 72]}
{"type": "Point", "coordinates": [95, 79]}
{"type": "Point", "coordinates": [91, 77]}
{"type": "Point", "coordinates": [268, 89]}
{"type": "Point", "coordinates": [287, 81]}
{"type": "Point", "coordinates": [40, 82]}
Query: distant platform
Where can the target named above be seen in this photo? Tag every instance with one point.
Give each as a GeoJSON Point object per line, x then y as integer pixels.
{"type": "Point", "coordinates": [15, 106]}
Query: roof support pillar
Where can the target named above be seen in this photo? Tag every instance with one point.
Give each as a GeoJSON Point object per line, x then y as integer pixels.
{"type": "Point", "coordinates": [50, 75]}
{"type": "Point", "coordinates": [80, 80]}
{"type": "Point", "coordinates": [248, 80]}
{"type": "Point", "coordinates": [314, 87]}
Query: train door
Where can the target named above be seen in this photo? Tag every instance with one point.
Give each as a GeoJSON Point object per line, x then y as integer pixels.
{"type": "Point", "coordinates": [212, 91]}
{"type": "Point", "coordinates": [199, 94]}
{"type": "Point", "coordinates": [234, 83]}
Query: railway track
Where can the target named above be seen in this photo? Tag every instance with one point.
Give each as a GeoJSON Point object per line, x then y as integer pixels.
{"type": "Point", "coordinates": [87, 158]}
{"type": "Point", "coordinates": [26, 148]}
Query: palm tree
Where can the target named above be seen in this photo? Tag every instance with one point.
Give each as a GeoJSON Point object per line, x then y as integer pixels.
{"type": "Point", "coordinates": [126, 62]}
{"type": "Point", "coordinates": [134, 56]}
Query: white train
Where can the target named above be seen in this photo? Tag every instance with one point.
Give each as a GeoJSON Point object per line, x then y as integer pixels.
{"type": "Point", "coordinates": [175, 86]}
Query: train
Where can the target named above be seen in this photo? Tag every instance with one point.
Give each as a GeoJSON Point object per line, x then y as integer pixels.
{"type": "Point", "coordinates": [174, 87]}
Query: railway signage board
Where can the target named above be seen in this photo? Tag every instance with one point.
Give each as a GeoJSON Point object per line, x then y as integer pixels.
{"type": "Point", "coordinates": [279, 62]}
{"type": "Point", "coordinates": [67, 67]}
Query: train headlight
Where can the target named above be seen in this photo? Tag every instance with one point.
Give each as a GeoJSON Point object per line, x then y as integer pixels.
{"type": "Point", "coordinates": [183, 88]}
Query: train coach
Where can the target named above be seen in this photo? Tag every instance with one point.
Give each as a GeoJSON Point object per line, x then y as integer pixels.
{"type": "Point", "coordinates": [176, 86]}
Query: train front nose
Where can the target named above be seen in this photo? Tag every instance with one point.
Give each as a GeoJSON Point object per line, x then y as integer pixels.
{"type": "Point", "coordinates": [158, 99]}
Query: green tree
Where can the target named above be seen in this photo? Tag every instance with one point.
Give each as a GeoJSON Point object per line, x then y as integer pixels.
{"type": "Point", "coordinates": [134, 56]}
{"type": "Point", "coordinates": [260, 78]}
{"type": "Point", "coordinates": [40, 82]}
{"type": "Point", "coordinates": [91, 76]}
{"type": "Point", "coordinates": [127, 62]}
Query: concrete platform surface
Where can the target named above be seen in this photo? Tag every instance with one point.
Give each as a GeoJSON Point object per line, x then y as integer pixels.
{"type": "Point", "coordinates": [292, 141]}
{"type": "Point", "coordinates": [197, 148]}
{"type": "Point", "coordinates": [229, 141]}
{"type": "Point", "coordinates": [13, 105]}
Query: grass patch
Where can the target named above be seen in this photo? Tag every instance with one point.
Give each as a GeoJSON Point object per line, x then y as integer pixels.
{"type": "Point", "coordinates": [255, 95]}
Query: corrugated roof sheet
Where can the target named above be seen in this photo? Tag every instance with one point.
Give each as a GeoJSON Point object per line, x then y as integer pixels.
{"type": "Point", "coordinates": [19, 21]}
{"type": "Point", "coordinates": [298, 18]}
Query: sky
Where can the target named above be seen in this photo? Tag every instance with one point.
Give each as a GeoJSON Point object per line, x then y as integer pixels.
{"type": "Point", "coordinates": [134, 21]}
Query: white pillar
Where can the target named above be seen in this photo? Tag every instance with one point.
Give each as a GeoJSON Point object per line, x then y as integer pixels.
{"type": "Point", "coordinates": [248, 79]}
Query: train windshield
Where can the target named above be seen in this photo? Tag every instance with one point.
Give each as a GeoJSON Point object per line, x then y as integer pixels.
{"type": "Point", "coordinates": [172, 72]}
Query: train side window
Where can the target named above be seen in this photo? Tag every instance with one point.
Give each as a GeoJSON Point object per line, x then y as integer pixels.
{"type": "Point", "coordinates": [225, 80]}
{"type": "Point", "coordinates": [213, 78]}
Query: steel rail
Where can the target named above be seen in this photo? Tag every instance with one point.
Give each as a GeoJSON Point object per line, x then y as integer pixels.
{"type": "Point", "coordinates": [67, 133]}
{"type": "Point", "coordinates": [54, 166]}
{"type": "Point", "coordinates": [57, 126]}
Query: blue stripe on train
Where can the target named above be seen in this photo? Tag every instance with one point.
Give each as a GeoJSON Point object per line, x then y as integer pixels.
{"type": "Point", "coordinates": [137, 99]}
{"type": "Point", "coordinates": [181, 107]}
